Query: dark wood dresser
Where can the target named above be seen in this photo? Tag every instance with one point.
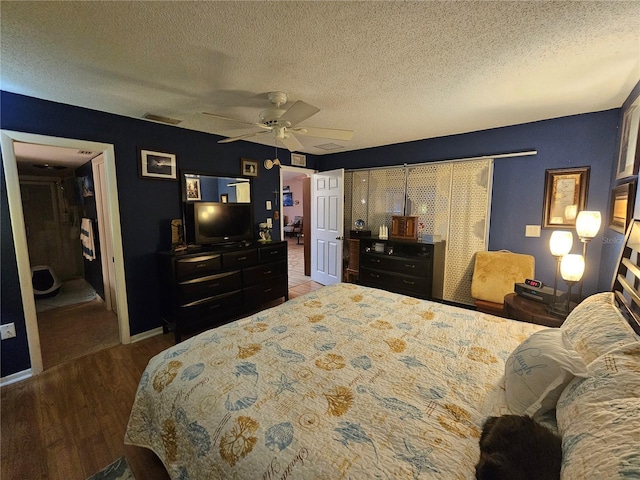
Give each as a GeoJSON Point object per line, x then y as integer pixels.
{"type": "Point", "coordinates": [403, 266]}
{"type": "Point", "coordinates": [213, 286]}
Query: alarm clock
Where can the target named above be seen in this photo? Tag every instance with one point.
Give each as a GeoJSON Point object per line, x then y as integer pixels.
{"type": "Point", "coordinates": [534, 283]}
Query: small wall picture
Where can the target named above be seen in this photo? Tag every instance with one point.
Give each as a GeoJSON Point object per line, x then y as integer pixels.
{"type": "Point", "coordinates": [158, 165]}
{"type": "Point", "coordinates": [193, 189]}
{"type": "Point", "coordinates": [249, 167]}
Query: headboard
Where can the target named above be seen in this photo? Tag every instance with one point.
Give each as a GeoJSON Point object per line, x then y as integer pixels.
{"type": "Point", "coordinates": [626, 279]}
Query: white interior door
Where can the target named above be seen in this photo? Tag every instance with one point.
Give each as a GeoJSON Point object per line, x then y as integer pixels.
{"type": "Point", "coordinates": [327, 228]}
{"type": "Point", "coordinates": [104, 232]}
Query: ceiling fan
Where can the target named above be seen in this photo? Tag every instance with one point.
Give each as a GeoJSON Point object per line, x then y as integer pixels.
{"type": "Point", "coordinates": [283, 124]}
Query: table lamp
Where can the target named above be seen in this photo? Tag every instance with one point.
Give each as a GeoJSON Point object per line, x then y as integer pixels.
{"type": "Point", "coordinates": [587, 227]}
{"type": "Point", "coordinates": [560, 245]}
{"type": "Point", "coordinates": [571, 269]}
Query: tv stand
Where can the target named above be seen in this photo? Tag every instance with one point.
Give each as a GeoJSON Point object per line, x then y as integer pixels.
{"type": "Point", "coordinates": [216, 284]}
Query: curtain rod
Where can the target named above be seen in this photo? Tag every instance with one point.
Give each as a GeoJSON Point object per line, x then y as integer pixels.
{"type": "Point", "coordinates": [467, 159]}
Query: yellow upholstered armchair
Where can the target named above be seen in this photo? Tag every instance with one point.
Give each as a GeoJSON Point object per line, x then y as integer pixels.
{"type": "Point", "coordinates": [494, 274]}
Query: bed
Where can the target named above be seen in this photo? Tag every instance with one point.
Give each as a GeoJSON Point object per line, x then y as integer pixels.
{"type": "Point", "coordinates": [356, 383]}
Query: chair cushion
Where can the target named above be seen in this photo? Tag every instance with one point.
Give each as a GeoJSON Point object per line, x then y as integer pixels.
{"type": "Point", "coordinates": [495, 273]}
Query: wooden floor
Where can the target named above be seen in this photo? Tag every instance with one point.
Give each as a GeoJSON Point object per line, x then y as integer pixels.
{"type": "Point", "coordinates": [76, 330]}
{"type": "Point", "coordinates": [69, 422]}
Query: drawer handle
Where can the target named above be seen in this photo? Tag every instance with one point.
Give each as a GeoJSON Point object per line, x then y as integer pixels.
{"type": "Point", "coordinates": [268, 272]}
{"type": "Point", "coordinates": [201, 265]}
{"type": "Point", "coordinates": [375, 260]}
{"type": "Point", "coordinates": [374, 275]}
{"type": "Point", "coordinates": [213, 307]}
{"type": "Point", "coordinates": [409, 265]}
{"type": "Point", "coordinates": [409, 282]}
{"type": "Point", "coordinates": [268, 290]}
{"type": "Point", "coordinates": [241, 258]}
{"type": "Point", "coordinates": [214, 285]}
{"type": "Point", "coordinates": [275, 252]}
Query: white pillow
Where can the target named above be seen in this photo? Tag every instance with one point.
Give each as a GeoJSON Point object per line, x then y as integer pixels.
{"type": "Point", "coordinates": [537, 371]}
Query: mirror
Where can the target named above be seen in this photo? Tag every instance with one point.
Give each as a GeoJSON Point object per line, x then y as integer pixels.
{"type": "Point", "coordinates": [198, 187]}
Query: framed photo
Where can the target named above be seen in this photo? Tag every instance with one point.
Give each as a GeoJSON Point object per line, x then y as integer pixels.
{"type": "Point", "coordinates": [158, 165]}
{"type": "Point", "coordinates": [249, 168]}
{"type": "Point", "coordinates": [287, 199]}
{"type": "Point", "coordinates": [565, 194]}
{"type": "Point", "coordinates": [629, 155]}
{"type": "Point", "coordinates": [193, 189]}
{"type": "Point", "coordinates": [224, 197]}
{"type": "Point", "coordinates": [621, 208]}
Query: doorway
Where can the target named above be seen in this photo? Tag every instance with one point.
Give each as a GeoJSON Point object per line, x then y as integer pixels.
{"type": "Point", "coordinates": [8, 141]}
{"type": "Point", "coordinates": [295, 220]}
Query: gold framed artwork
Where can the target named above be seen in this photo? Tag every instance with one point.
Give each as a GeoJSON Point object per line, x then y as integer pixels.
{"type": "Point", "coordinates": [629, 154]}
{"type": "Point", "coordinates": [621, 207]}
{"type": "Point", "coordinates": [565, 194]}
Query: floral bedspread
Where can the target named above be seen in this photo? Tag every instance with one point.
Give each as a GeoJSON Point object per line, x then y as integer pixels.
{"type": "Point", "coordinates": [345, 382]}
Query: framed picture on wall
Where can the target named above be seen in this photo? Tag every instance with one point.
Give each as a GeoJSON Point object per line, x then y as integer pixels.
{"type": "Point", "coordinates": [193, 189]}
{"type": "Point", "coordinates": [287, 199]}
{"type": "Point", "coordinates": [629, 154]}
{"type": "Point", "coordinates": [157, 165]}
{"type": "Point", "coordinates": [565, 194]}
{"type": "Point", "coordinates": [621, 207]}
{"type": "Point", "coordinates": [249, 168]}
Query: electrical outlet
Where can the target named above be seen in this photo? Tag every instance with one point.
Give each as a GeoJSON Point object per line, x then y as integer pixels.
{"type": "Point", "coordinates": [7, 331]}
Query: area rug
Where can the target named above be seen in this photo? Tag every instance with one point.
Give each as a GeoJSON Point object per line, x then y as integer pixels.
{"type": "Point", "coordinates": [118, 470]}
{"type": "Point", "coordinates": [72, 291]}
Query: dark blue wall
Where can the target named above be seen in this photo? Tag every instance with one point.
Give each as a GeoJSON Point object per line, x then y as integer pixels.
{"type": "Point", "coordinates": [146, 206]}
{"type": "Point", "coordinates": [518, 183]}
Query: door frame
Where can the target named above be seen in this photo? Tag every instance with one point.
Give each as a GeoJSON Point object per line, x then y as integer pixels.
{"type": "Point", "coordinates": [7, 139]}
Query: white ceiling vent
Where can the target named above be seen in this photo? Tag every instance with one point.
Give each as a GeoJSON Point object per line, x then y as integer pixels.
{"type": "Point", "coordinates": [329, 146]}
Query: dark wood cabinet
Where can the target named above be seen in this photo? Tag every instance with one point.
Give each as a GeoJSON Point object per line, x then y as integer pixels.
{"type": "Point", "coordinates": [403, 266]}
{"type": "Point", "coordinates": [214, 286]}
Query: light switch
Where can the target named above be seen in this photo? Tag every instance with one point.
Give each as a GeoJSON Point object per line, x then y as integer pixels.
{"type": "Point", "coordinates": [268, 204]}
{"type": "Point", "coordinates": [532, 231]}
{"type": "Point", "coordinates": [269, 223]}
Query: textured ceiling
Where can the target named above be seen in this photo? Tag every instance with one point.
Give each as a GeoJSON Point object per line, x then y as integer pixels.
{"type": "Point", "coordinates": [390, 71]}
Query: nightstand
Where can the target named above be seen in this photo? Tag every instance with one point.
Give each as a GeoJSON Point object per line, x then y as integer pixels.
{"type": "Point", "coordinates": [520, 308]}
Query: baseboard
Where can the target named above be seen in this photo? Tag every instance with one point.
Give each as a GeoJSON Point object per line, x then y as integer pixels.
{"type": "Point", "coordinates": [15, 377]}
{"type": "Point", "coordinates": [148, 334]}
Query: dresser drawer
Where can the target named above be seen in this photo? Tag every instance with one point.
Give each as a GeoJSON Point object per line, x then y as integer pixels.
{"type": "Point", "coordinates": [262, 273]}
{"type": "Point", "coordinates": [396, 282]}
{"type": "Point", "coordinates": [272, 253]}
{"type": "Point", "coordinates": [266, 291]}
{"type": "Point", "coordinates": [211, 305]}
{"type": "Point", "coordinates": [190, 267]}
{"type": "Point", "coordinates": [419, 267]}
{"type": "Point", "coordinates": [208, 286]}
{"type": "Point", "coordinates": [240, 259]}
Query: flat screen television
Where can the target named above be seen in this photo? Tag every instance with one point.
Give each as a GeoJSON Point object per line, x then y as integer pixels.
{"type": "Point", "coordinates": [215, 222]}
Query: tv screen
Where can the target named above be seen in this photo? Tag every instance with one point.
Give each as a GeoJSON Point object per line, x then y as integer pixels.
{"type": "Point", "coordinates": [216, 222]}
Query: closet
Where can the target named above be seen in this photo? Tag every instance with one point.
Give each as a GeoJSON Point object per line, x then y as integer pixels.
{"type": "Point", "coordinates": [451, 199]}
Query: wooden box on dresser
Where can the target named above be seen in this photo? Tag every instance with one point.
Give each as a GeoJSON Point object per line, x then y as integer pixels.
{"type": "Point", "coordinates": [216, 285]}
{"type": "Point", "coordinates": [403, 266]}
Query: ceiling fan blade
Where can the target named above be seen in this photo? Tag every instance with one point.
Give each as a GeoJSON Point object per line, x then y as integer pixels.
{"type": "Point", "coordinates": [332, 133]}
{"type": "Point", "coordinates": [239, 137]}
{"type": "Point", "coordinates": [291, 142]}
{"type": "Point", "coordinates": [220, 117]}
{"type": "Point", "coordinates": [297, 113]}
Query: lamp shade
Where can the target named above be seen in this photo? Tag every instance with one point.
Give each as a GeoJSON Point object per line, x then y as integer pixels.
{"type": "Point", "coordinates": [560, 243]}
{"type": "Point", "coordinates": [588, 224]}
{"type": "Point", "coordinates": [572, 267]}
